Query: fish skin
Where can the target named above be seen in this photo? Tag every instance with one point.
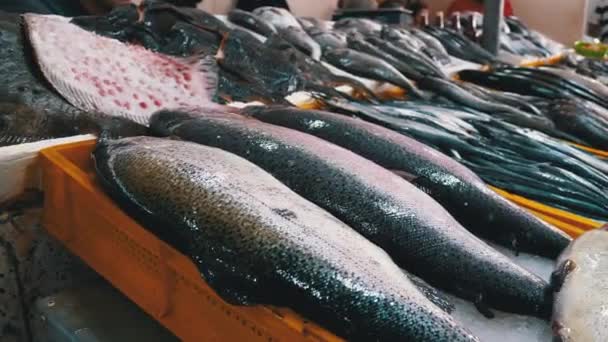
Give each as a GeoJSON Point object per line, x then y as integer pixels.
{"type": "Point", "coordinates": [579, 120]}
{"type": "Point", "coordinates": [20, 123]}
{"type": "Point", "coordinates": [300, 39]}
{"type": "Point", "coordinates": [380, 205]}
{"type": "Point", "coordinates": [366, 27]}
{"type": "Point", "coordinates": [251, 21]}
{"type": "Point", "coordinates": [453, 185]}
{"type": "Point", "coordinates": [453, 92]}
{"type": "Point", "coordinates": [22, 82]}
{"type": "Point", "coordinates": [328, 39]}
{"type": "Point", "coordinates": [127, 80]}
{"type": "Point", "coordinates": [278, 67]}
{"type": "Point", "coordinates": [364, 65]}
{"type": "Point", "coordinates": [580, 303]}
{"type": "Point", "coordinates": [405, 54]}
{"type": "Point", "coordinates": [365, 47]}
{"type": "Point", "coordinates": [257, 242]}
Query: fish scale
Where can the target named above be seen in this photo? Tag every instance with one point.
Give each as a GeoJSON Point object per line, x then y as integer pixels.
{"type": "Point", "coordinates": [414, 229]}
{"type": "Point", "coordinates": [96, 73]}
{"type": "Point", "coordinates": [457, 188]}
{"type": "Point", "coordinates": [257, 242]}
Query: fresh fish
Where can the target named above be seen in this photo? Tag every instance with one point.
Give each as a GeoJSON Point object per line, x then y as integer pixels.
{"type": "Point", "coordinates": [454, 186]}
{"type": "Point", "coordinates": [414, 229]}
{"type": "Point", "coordinates": [280, 18]}
{"type": "Point", "coordinates": [364, 65]}
{"type": "Point", "coordinates": [279, 68]}
{"type": "Point", "coordinates": [22, 82]}
{"type": "Point", "coordinates": [117, 24]}
{"type": "Point", "coordinates": [328, 39]}
{"type": "Point", "coordinates": [185, 40]}
{"type": "Point", "coordinates": [361, 45]}
{"type": "Point", "coordinates": [362, 26]}
{"type": "Point", "coordinates": [453, 92]}
{"type": "Point", "coordinates": [193, 16]}
{"type": "Point", "coordinates": [300, 39]}
{"type": "Point", "coordinates": [578, 119]}
{"type": "Point", "coordinates": [252, 22]}
{"type": "Point", "coordinates": [308, 23]}
{"type": "Point", "coordinates": [459, 46]}
{"type": "Point", "coordinates": [257, 242]}
{"type": "Point", "coordinates": [232, 88]}
{"type": "Point", "coordinates": [435, 296]}
{"type": "Point", "coordinates": [433, 47]}
{"type": "Point", "coordinates": [580, 281]}
{"type": "Point", "coordinates": [418, 60]}
{"type": "Point", "coordinates": [105, 75]}
{"type": "Point", "coordinates": [22, 124]}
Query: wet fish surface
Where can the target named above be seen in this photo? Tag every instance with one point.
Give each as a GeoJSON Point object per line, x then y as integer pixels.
{"type": "Point", "coordinates": [450, 183]}
{"type": "Point", "coordinates": [368, 66]}
{"type": "Point", "coordinates": [23, 83]}
{"type": "Point", "coordinates": [414, 229]}
{"type": "Point", "coordinates": [581, 301]}
{"type": "Point", "coordinates": [20, 124]}
{"type": "Point", "coordinates": [252, 22]}
{"type": "Point", "coordinates": [257, 242]}
{"type": "Point", "coordinates": [106, 75]}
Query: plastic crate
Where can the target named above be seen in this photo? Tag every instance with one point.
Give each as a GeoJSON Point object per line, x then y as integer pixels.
{"type": "Point", "coordinates": [163, 282]}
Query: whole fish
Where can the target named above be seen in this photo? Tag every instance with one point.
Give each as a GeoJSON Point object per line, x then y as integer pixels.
{"type": "Point", "coordinates": [414, 229]}
{"type": "Point", "coordinates": [328, 39]}
{"type": "Point", "coordinates": [453, 185]}
{"type": "Point", "coordinates": [300, 39]}
{"type": "Point", "coordinates": [577, 119]}
{"type": "Point", "coordinates": [366, 27]}
{"type": "Point", "coordinates": [257, 242]}
{"type": "Point", "coordinates": [308, 23]}
{"type": "Point", "coordinates": [251, 21]}
{"type": "Point", "coordinates": [364, 65]}
{"type": "Point", "coordinates": [460, 46]}
{"type": "Point", "coordinates": [279, 68]}
{"type": "Point", "coordinates": [280, 18]}
{"type": "Point", "coordinates": [356, 43]}
{"type": "Point", "coordinates": [101, 74]}
{"type": "Point", "coordinates": [461, 96]}
{"type": "Point", "coordinates": [20, 124]}
{"type": "Point", "coordinates": [418, 60]}
{"type": "Point", "coordinates": [433, 47]}
{"type": "Point", "coordinates": [580, 280]}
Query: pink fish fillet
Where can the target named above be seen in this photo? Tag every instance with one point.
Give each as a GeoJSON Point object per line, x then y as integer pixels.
{"type": "Point", "coordinates": [96, 73]}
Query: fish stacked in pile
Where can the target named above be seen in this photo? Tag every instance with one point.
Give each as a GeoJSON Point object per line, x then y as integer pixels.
{"type": "Point", "coordinates": [349, 222]}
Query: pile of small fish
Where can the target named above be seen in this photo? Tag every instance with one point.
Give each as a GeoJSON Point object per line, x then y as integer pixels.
{"type": "Point", "coordinates": [356, 224]}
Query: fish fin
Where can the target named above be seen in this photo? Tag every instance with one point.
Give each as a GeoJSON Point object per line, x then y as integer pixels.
{"type": "Point", "coordinates": [482, 307]}
{"type": "Point", "coordinates": [431, 293]}
{"type": "Point", "coordinates": [558, 277]}
{"type": "Point", "coordinates": [405, 175]}
{"type": "Point", "coordinates": [210, 69]}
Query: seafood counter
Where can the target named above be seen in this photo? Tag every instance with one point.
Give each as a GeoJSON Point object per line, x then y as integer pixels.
{"type": "Point", "coordinates": [372, 214]}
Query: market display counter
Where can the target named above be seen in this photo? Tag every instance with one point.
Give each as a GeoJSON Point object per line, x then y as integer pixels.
{"type": "Point", "coordinates": [162, 281]}
{"type": "Point", "coordinates": [165, 283]}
